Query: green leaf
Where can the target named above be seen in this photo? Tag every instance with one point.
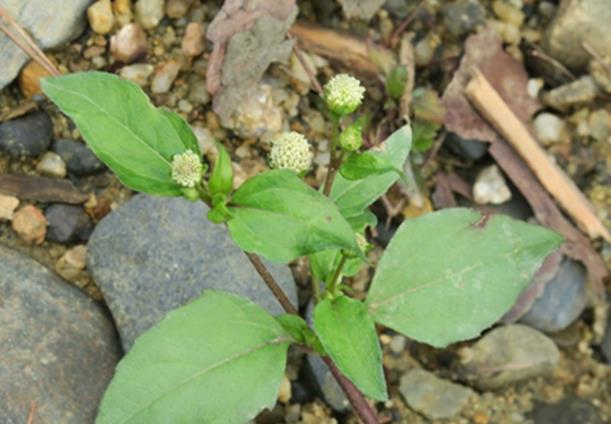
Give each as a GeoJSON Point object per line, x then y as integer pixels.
{"type": "Point", "coordinates": [348, 334]}
{"type": "Point", "coordinates": [219, 359]}
{"type": "Point", "coordinates": [221, 180]}
{"type": "Point", "coordinates": [184, 131]}
{"type": "Point", "coordinates": [278, 216]}
{"type": "Point", "coordinates": [325, 262]}
{"type": "Point", "coordinates": [424, 135]}
{"type": "Point", "coordinates": [119, 123]}
{"type": "Point", "coordinates": [363, 220]}
{"type": "Point", "coordinates": [396, 80]}
{"type": "Point", "coordinates": [361, 165]}
{"type": "Point", "coordinates": [448, 275]}
{"type": "Point", "coordinates": [298, 328]}
{"type": "Point", "coordinates": [352, 197]}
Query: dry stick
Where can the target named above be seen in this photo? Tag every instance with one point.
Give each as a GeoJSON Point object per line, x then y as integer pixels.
{"type": "Point", "coordinates": [356, 398]}
{"type": "Point", "coordinates": [25, 42]}
{"type": "Point", "coordinates": [309, 71]}
{"type": "Point", "coordinates": [490, 104]}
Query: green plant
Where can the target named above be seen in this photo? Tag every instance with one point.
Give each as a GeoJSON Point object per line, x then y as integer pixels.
{"type": "Point", "coordinates": [444, 277]}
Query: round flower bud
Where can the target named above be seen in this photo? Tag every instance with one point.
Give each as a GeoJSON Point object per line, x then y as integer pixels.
{"type": "Point", "coordinates": [291, 151]}
{"type": "Point", "coordinates": [186, 169]}
{"type": "Point", "coordinates": [343, 94]}
{"type": "Point", "coordinates": [350, 139]}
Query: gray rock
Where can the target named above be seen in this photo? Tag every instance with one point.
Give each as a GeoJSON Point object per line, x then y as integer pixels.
{"type": "Point", "coordinates": [326, 385]}
{"type": "Point", "coordinates": [490, 187]}
{"type": "Point", "coordinates": [563, 299]}
{"type": "Point", "coordinates": [433, 397]}
{"type": "Point", "coordinates": [67, 223]}
{"type": "Point", "coordinates": [58, 348]}
{"type": "Point", "coordinates": [155, 254]}
{"type": "Point", "coordinates": [578, 22]}
{"type": "Point", "coordinates": [570, 410]}
{"type": "Point", "coordinates": [361, 9]}
{"type": "Point", "coordinates": [50, 28]}
{"type": "Point", "coordinates": [28, 135]}
{"type": "Point", "coordinates": [399, 8]}
{"type": "Point", "coordinates": [462, 16]}
{"type": "Point", "coordinates": [579, 92]}
{"type": "Point", "coordinates": [508, 354]}
{"type": "Point", "coordinates": [466, 149]}
{"type": "Point", "coordinates": [79, 158]}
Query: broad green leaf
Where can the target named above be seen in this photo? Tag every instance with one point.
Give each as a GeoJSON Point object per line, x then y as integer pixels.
{"type": "Point", "coordinates": [278, 216]}
{"type": "Point", "coordinates": [348, 334]}
{"type": "Point", "coordinates": [184, 131]}
{"type": "Point", "coordinates": [219, 359]}
{"type": "Point", "coordinates": [363, 220]}
{"type": "Point", "coordinates": [448, 275]}
{"type": "Point", "coordinates": [352, 197]}
{"type": "Point", "coordinates": [119, 123]}
{"type": "Point", "coordinates": [361, 165]}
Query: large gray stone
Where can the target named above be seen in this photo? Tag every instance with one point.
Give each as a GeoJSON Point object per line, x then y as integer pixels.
{"type": "Point", "coordinates": [51, 23]}
{"type": "Point", "coordinates": [578, 22]}
{"type": "Point", "coordinates": [432, 396]}
{"type": "Point", "coordinates": [155, 254]}
{"type": "Point", "coordinates": [58, 349]}
{"type": "Point", "coordinates": [508, 354]}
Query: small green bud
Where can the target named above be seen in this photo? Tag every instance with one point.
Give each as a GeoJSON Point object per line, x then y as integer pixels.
{"type": "Point", "coordinates": [190, 193]}
{"type": "Point", "coordinates": [219, 213]}
{"type": "Point", "coordinates": [351, 139]}
{"type": "Point", "coordinates": [291, 151]}
{"type": "Point", "coordinates": [187, 169]}
{"type": "Point", "coordinates": [221, 180]}
{"type": "Point", "coordinates": [343, 94]}
{"type": "Point", "coordinates": [395, 81]}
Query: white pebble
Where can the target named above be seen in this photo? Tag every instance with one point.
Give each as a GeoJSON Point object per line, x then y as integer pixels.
{"type": "Point", "coordinates": [490, 187]}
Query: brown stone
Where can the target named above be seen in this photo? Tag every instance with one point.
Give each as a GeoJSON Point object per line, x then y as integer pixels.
{"type": "Point", "coordinates": [193, 41]}
{"type": "Point", "coordinates": [29, 78]}
{"type": "Point", "coordinates": [30, 224]}
{"type": "Point", "coordinates": [129, 43]}
{"type": "Point", "coordinates": [8, 204]}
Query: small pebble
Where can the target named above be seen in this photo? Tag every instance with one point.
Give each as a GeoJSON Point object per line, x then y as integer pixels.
{"type": "Point", "coordinates": [581, 91]}
{"type": "Point", "coordinates": [30, 224]}
{"type": "Point", "coordinates": [79, 158]}
{"type": "Point", "coordinates": [397, 344]}
{"type": "Point", "coordinates": [534, 87]}
{"type": "Point", "coordinates": [100, 16]}
{"type": "Point", "coordinates": [177, 8]}
{"type": "Point", "coordinates": [490, 187]}
{"type": "Point", "coordinates": [198, 93]}
{"type": "Point", "coordinates": [206, 141]}
{"type": "Point", "coordinates": [51, 165]}
{"type": "Point", "coordinates": [149, 13]}
{"type": "Point", "coordinates": [8, 204]}
{"type": "Point", "coordinates": [28, 135]}
{"type": "Point", "coordinates": [129, 43]}
{"type": "Point", "coordinates": [93, 51]}
{"type": "Point", "coordinates": [72, 262]}
{"type": "Point", "coordinates": [139, 73]}
{"type": "Point", "coordinates": [549, 129]}
{"type": "Point", "coordinates": [29, 78]}
{"type": "Point", "coordinates": [193, 41]}
{"type": "Point", "coordinates": [463, 16]}
{"type": "Point", "coordinates": [164, 77]}
{"type": "Point", "coordinates": [431, 396]}
{"type": "Point", "coordinates": [185, 106]}
{"type": "Point", "coordinates": [284, 395]}
{"type": "Point", "coordinates": [123, 11]}
{"type": "Point", "coordinates": [508, 13]}
{"type": "Point", "coordinates": [67, 223]}
{"type": "Point", "coordinates": [599, 123]}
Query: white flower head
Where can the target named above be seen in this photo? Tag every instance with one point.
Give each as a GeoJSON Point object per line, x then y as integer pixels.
{"type": "Point", "coordinates": [291, 151]}
{"type": "Point", "coordinates": [186, 168]}
{"type": "Point", "coordinates": [343, 94]}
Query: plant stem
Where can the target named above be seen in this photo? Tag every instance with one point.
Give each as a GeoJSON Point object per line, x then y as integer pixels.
{"type": "Point", "coordinates": [332, 283]}
{"type": "Point", "coordinates": [271, 283]}
{"type": "Point", "coordinates": [356, 398]}
{"type": "Point", "coordinates": [333, 159]}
